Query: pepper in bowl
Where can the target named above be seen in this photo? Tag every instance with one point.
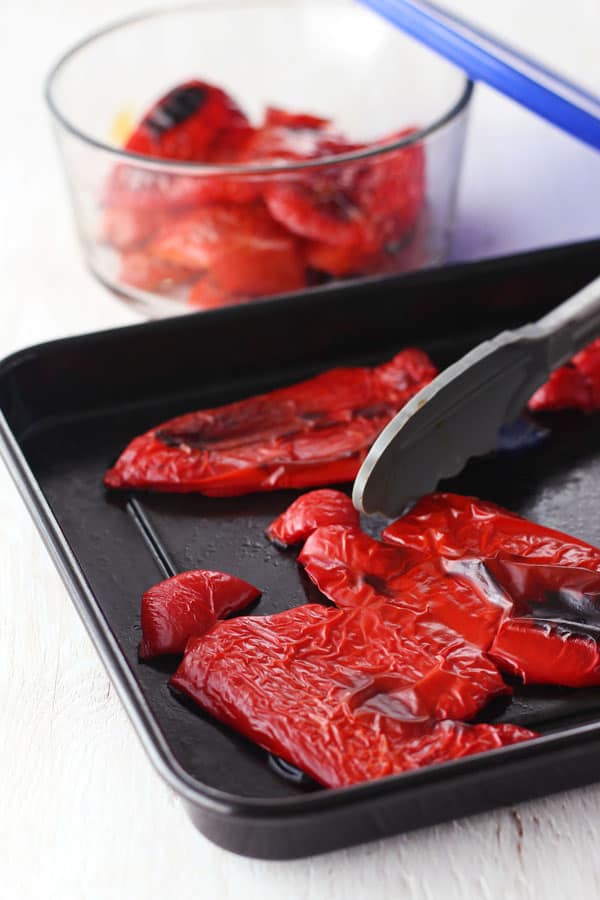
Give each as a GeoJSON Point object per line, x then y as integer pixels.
{"type": "Point", "coordinates": [228, 184]}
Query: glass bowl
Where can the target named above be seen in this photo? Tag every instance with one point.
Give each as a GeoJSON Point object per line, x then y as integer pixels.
{"type": "Point", "coordinates": [177, 235]}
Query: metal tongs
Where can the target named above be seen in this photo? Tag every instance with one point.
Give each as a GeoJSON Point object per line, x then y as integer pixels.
{"type": "Point", "coordinates": [459, 414]}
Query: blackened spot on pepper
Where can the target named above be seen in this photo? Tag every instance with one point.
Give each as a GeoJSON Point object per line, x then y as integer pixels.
{"type": "Point", "coordinates": [177, 106]}
{"type": "Point", "coordinates": [171, 440]}
{"type": "Point", "coordinates": [567, 611]}
{"type": "Point", "coordinates": [564, 597]}
{"type": "Point", "coordinates": [378, 584]}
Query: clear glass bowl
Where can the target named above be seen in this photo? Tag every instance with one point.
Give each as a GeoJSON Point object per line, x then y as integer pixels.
{"type": "Point", "coordinates": [182, 236]}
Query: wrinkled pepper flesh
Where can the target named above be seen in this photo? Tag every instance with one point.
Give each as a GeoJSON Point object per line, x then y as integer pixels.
{"type": "Point", "coordinates": [338, 693]}
{"type": "Point", "coordinates": [549, 629]}
{"type": "Point", "coordinates": [312, 433]}
{"type": "Point", "coordinates": [352, 569]}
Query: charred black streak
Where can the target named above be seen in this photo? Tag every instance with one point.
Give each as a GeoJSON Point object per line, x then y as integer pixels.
{"type": "Point", "coordinates": [177, 106]}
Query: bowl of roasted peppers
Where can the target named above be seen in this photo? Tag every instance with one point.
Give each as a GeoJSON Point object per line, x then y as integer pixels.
{"type": "Point", "coordinates": [226, 152]}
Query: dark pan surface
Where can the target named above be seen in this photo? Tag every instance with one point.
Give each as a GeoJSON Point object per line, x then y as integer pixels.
{"type": "Point", "coordinates": [131, 379]}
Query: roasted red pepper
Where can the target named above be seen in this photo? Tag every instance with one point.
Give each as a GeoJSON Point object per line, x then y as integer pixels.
{"type": "Point", "coordinates": [358, 217]}
{"type": "Point", "coordinates": [339, 693]}
{"type": "Point", "coordinates": [550, 632]}
{"type": "Point", "coordinates": [309, 512]}
{"type": "Point", "coordinates": [294, 136]}
{"type": "Point", "coordinates": [150, 274]}
{"type": "Point", "coordinates": [244, 252]}
{"type": "Point", "coordinates": [312, 433]}
{"type": "Point", "coordinates": [574, 386]}
{"type": "Point", "coordinates": [454, 526]}
{"type": "Point", "coordinates": [185, 123]}
{"type": "Point", "coordinates": [188, 605]}
{"type": "Point", "coordinates": [352, 569]}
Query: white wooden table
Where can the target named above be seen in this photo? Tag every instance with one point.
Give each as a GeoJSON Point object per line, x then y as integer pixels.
{"type": "Point", "coordinates": [83, 816]}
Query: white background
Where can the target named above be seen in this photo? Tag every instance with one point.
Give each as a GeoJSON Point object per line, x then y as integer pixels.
{"type": "Point", "coordinates": [82, 813]}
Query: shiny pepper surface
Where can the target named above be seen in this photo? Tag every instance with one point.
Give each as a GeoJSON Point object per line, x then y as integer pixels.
{"type": "Point", "coordinates": [573, 386]}
{"type": "Point", "coordinates": [352, 569]}
{"type": "Point", "coordinates": [551, 582]}
{"type": "Point", "coordinates": [188, 605]}
{"type": "Point", "coordinates": [309, 512]}
{"type": "Point", "coordinates": [309, 434]}
{"type": "Point", "coordinates": [338, 693]}
{"type": "Point", "coordinates": [185, 123]}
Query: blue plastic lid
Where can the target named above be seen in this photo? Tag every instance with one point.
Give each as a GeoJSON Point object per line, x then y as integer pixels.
{"type": "Point", "coordinates": [486, 59]}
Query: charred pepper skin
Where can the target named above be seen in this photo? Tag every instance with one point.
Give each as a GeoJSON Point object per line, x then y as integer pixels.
{"type": "Point", "coordinates": [184, 123]}
{"type": "Point", "coordinates": [188, 605]}
{"type": "Point", "coordinates": [309, 512]}
{"type": "Point", "coordinates": [310, 434]}
{"type": "Point", "coordinates": [335, 692]}
{"type": "Point", "coordinates": [551, 633]}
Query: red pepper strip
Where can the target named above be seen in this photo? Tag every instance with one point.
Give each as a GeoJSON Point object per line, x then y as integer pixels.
{"type": "Point", "coordinates": [184, 123]}
{"type": "Point", "coordinates": [148, 273]}
{"type": "Point", "coordinates": [574, 386]}
{"type": "Point", "coordinates": [340, 261]}
{"type": "Point", "coordinates": [337, 693]}
{"type": "Point", "coordinates": [188, 605]}
{"type": "Point", "coordinates": [312, 433]}
{"type": "Point", "coordinates": [149, 191]}
{"type": "Point", "coordinates": [352, 569]}
{"type": "Point", "coordinates": [309, 512]}
{"type": "Point", "coordinates": [290, 136]}
{"type": "Point", "coordinates": [318, 208]}
{"type": "Point", "coordinates": [244, 250]}
{"type": "Point", "coordinates": [364, 207]}
{"type": "Point", "coordinates": [128, 229]}
{"type": "Point", "coordinates": [453, 526]}
{"type": "Point", "coordinates": [206, 293]}
{"type": "Point", "coordinates": [276, 116]}
{"type": "Point", "coordinates": [551, 635]}
{"type": "Point", "coordinates": [553, 632]}
{"type": "Point", "coordinates": [391, 188]}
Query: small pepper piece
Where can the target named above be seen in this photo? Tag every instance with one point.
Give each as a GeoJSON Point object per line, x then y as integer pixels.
{"type": "Point", "coordinates": [338, 693]}
{"type": "Point", "coordinates": [245, 252]}
{"type": "Point", "coordinates": [309, 512]}
{"type": "Point", "coordinates": [184, 123]}
{"type": "Point", "coordinates": [286, 136]}
{"type": "Point", "coordinates": [573, 386]}
{"type": "Point", "coordinates": [309, 434]}
{"type": "Point", "coordinates": [187, 606]}
{"type": "Point", "coordinates": [318, 207]}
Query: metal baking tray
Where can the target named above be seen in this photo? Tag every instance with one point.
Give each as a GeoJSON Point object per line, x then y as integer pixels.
{"type": "Point", "coordinates": [68, 407]}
